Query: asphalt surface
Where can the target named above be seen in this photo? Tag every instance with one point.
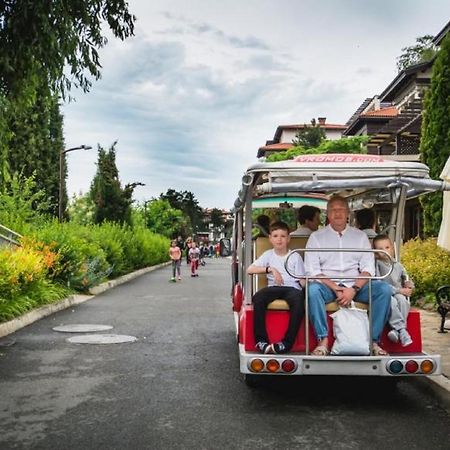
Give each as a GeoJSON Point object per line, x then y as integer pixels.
{"type": "Point", "coordinates": [179, 387]}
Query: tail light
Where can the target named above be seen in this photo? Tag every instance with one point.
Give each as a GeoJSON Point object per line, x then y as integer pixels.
{"type": "Point", "coordinates": [411, 366]}
{"type": "Point", "coordinates": [256, 365]}
{"type": "Point", "coordinates": [426, 366]}
{"type": "Point", "coordinates": [273, 365]}
{"type": "Point", "coordinates": [288, 365]}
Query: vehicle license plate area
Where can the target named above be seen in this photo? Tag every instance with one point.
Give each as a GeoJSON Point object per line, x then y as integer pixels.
{"type": "Point", "coordinates": [328, 366]}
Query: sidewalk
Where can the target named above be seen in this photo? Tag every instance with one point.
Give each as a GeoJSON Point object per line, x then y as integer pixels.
{"type": "Point", "coordinates": [437, 343]}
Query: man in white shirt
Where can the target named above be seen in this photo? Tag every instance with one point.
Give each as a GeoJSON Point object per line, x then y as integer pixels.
{"type": "Point", "coordinates": [338, 234]}
{"type": "Point", "coordinates": [309, 220]}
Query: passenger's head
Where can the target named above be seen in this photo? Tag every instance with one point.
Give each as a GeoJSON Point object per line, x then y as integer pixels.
{"type": "Point", "coordinates": [365, 218]}
{"type": "Point", "coordinates": [337, 212]}
{"type": "Point", "coordinates": [309, 216]}
{"type": "Point", "coordinates": [383, 242]}
{"type": "Point", "coordinates": [264, 222]}
{"type": "Point", "coordinates": [279, 236]}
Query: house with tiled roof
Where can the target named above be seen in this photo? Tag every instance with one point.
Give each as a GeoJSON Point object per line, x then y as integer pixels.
{"type": "Point", "coordinates": [393, 121]}
{"type": "Point", "coordinates": [285, 134]}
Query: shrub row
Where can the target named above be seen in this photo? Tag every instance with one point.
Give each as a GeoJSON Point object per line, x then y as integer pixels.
{"type": "Point", "coordinates": [62, 258]}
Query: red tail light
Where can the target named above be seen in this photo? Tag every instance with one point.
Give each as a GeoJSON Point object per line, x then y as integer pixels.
{"type": "Point", "coordinates": [288, 365]}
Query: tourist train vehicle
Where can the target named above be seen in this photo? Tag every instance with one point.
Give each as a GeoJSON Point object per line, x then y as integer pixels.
{"type": "Point", "coordinates": [366, 181]}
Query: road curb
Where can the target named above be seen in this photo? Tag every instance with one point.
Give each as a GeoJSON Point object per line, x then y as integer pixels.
{"type": "Point", "coordinates": [46, 310]}
{"type": "Point", "coordinates": [437, 385]}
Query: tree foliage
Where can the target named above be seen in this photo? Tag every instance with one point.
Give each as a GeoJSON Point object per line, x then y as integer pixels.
{"type": "Point", "coordinates": [435, 134]}
{"type": "Point", "coordinates": [188, 204]}
{"type": "Point", "coordinates": [35, 140]}
{"type": "Point", "coordinates": [310, 136]}
{"type": "Point", "coordinates": [22, 205]}
{"type": "Point", "coordinates": [353, 144]}
{"type": "Point", "coordinates": [216, 218]}
{"type": "Point", "coordinates": [162, 218]}
{"type": "Point", "coordinates": [43, 38]}
{"type": "Point", "coordinates": [112, 202]}
{"type": "Point", "coordinates": [423, 51]}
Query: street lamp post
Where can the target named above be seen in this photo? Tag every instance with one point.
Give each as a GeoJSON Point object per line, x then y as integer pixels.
{"type": "Point", "coordinates": [61, 156]}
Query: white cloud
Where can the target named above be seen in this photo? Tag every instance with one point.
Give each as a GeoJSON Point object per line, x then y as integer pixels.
{"type": "Point", "coordinates": [202, 85]}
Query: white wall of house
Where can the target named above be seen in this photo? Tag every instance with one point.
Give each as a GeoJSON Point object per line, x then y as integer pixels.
{"type": "Point", "coordinates": [287, 136]}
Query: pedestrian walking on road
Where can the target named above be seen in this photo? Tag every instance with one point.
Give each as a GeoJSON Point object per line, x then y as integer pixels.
{"type": "Point", "coordinates": [175, 256]}
{"type": "Point", "coordinates": [194, 256]}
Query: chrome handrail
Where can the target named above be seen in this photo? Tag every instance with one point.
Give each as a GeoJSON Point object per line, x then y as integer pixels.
{"type": "Point", "coordinates": [307, 278]}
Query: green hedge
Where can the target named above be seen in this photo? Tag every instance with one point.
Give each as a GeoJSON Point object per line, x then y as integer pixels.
{"type": "Point", "coordinates": [427, 264]}
{"type": "Point", "coordinates": [60, 258]}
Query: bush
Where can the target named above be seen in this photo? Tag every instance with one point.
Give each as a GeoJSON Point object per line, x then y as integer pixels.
{"type": "Point", "coordinates": [25, 280]}
{"type": "Point", "coordinates": [61, 257]}
{"type": "Point", "coordinates": [79, 254]}
{"type": "Point", "coordinates": [427, 264]}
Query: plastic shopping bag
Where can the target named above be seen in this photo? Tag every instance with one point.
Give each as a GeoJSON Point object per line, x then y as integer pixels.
{"type": "Point", "coordinates": [351, 332]}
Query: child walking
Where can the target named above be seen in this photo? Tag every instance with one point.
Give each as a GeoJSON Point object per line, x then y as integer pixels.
{"type": "Point", "coordinates": [175, 256]}
{"type": "Point", "coordinates": [402, 288]}
{"type": "Point", "coordinates": [279, 285]}
{"type": "Point", "coordinates": [194, 256]}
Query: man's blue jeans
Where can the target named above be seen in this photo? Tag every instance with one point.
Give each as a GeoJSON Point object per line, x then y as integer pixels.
{"type": "Point", "coordinates": [319, 295]}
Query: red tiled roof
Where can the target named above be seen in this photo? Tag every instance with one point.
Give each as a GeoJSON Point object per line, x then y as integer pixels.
{"type": "Point", "coordinates": [385, 112]}
{"type": "Point", "coordinates": [326, 126]}
{"type": "Point", "coordinates": [280, 146]}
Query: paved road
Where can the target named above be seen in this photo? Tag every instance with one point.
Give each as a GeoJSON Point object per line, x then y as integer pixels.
{"type": "Point", "coordinates": [178, 386]}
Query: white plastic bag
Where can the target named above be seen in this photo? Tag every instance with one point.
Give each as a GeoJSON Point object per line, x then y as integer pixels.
{"type": "Point", "coordinates": [351, 332]}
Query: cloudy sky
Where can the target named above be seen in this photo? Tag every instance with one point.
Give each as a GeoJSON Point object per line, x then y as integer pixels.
{"type": "Point", "coordinates": [204, 83]}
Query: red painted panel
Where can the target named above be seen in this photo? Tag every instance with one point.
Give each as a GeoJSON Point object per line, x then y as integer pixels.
{"type": "Point", "coordinates": [277, 321]}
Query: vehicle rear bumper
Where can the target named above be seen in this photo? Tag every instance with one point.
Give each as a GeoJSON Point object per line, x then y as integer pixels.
{"type": "Point", "coordinates": [339, 365]}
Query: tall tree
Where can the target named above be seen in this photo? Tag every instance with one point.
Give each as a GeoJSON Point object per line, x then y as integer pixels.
{"type": "Point", "coordinates": [112, 202]}
{"type": "Point", "coordinates": [44, 38]}
{"type": "Point", "coordinates": [435, 139]}
{"type": "Point", "coordinates": [423, 51]}
{"type": "Point", "coordinates": [216, 218]}
{"type": "Point", "coordinates": [35, 140]}
{"type": "Point", "coordinates": [309, 136]}
{"type": "Point", "coordinates": [186, 202]}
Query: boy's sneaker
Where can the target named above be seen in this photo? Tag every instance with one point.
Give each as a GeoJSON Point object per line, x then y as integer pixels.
{"type": "Point", "coordinates": [405, 338]}
{"type": "Point", "coordinates": [172, 279]}
{"type": "Point", "coordinates": [393, 336]}
{"type": "Point", "coordinates": [179, 278]}
{"type": "Point", "coordinates": [279, 347]}
{"type": "Point", "coordinates": [262, 346]}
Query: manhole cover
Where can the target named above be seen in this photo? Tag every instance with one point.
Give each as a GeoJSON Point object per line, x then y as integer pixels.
{"type": "Point", "coordinates": [7, 342]}
{"type": "Point", "coordinates": [81, 328]}
{"type": "Point", "coordinates": [101, 339]}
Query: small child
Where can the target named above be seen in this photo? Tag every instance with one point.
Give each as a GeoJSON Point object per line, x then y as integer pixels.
{"type": "Point", "coordinates": [402, 288]}
{"type": "Point", "coordinates": [280, 285]}
{"type": "Point", "coordinates": [194, 256]}
{"type": "Point", "coordinates": [175, 256]}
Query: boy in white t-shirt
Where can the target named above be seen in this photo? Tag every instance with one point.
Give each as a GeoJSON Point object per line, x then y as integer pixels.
{"type": "Point", "coordinates": [280, 285]}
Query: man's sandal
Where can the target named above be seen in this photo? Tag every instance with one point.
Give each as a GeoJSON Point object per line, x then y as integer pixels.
{"type": "Point", "coordinates": [321, 350]}
{"type": "Point", "coordinates": [378, 351]}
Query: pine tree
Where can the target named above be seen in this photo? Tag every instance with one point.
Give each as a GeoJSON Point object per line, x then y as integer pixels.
{"type": "Point", "coordinates": [309, 136]}
{"type": "Point", "coordinates": [435, 139]}
{"type": "Point", "coordinates": [112, 203]}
